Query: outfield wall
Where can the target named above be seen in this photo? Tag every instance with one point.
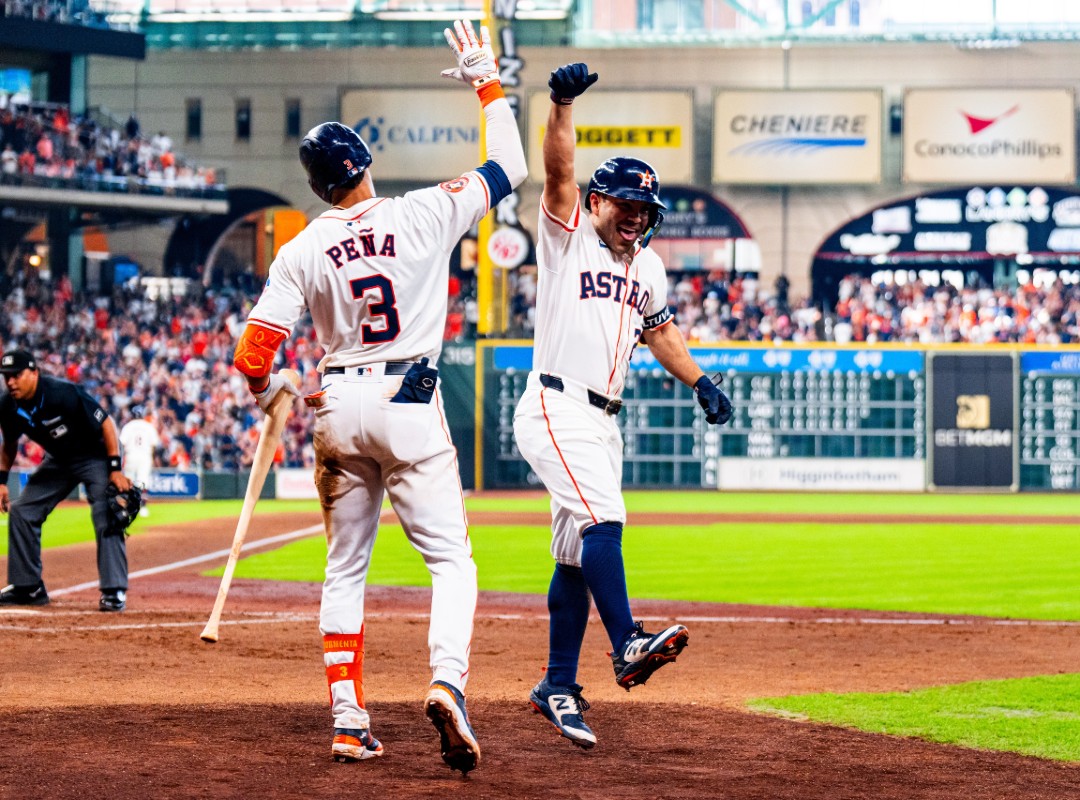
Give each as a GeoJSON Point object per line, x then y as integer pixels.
{"type": "Point", "coordinates": [897, 418]}
{"type": "Point", "coordinates": [892, 418]}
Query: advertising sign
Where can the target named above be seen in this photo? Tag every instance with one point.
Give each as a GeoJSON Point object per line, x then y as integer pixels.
{"type": "Point", "coordinates": [989, 135]}
{"type": "Point", "coordinates": [784, 137]}
{"type": "Point", "coordinates": [822, 474]}
{"type": "Point", "coordinates": [972, 421]}
{"type": "Point", "coordinates": [657, 127]}
{"type": "Point", "coordinates": [173, 483]}
{"type": "Point", "coordinates": [434, 136]}
{"type": "Point", "coordinates": [295, 484]}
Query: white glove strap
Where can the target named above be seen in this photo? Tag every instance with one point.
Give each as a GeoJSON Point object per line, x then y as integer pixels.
{"type": "Point", "coordinates": [491, 77]}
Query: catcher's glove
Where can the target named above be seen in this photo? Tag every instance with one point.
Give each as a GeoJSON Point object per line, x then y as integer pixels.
{"type": "Point", "coordinates": [123, 508]}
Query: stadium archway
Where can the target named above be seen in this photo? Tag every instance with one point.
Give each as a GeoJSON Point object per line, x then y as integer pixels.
{"type": "Point", "coordinates": [996, 235]}
{"type": "Point", "coordinates": [222, 249]}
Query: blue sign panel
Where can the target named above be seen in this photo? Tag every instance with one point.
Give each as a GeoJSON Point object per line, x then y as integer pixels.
{"type": "Point", "coordinates": [1056, 362]}
{"type": "Point", "coordinates": [173, 483]}
{"type": "Point", "coordinates": [762, 359]}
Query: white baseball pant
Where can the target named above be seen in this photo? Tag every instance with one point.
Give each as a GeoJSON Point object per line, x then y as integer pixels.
{"type": "Point", "coordinates": [577, 450]}
{"type": "Point", "coordinates": [365, 444]}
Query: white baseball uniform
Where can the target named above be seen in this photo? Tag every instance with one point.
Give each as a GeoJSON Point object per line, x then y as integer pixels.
{"type": "Point", "coordinates": [591, 308]}
{"type": "Point", "coordinates": [374, 277]}
{"type": "Point", "coordinates": [139, 438]}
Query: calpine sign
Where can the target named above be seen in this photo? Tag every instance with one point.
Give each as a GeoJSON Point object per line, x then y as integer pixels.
{"type": "Point", "coordinates": [989, 135]}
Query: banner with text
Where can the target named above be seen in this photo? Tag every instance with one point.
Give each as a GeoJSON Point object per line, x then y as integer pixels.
{"type": "Point", "coordinates": [783, 137]}
{"type": "Point", "coordinates": [989, 135]}
{"type": "Point", "coordinates": [433, 137]}
{"type": "Point", "coordinates": [657, 127]}
{"type": "Point", "coordinates": [822, 474]}
{"type": "Point", "coordinates": [295, 484]}
{"type": "Point", "coordinates": [972, 421]}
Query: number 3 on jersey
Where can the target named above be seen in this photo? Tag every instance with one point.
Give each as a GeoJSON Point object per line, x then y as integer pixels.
{"type": "Point", "coordinates": [385, 308]}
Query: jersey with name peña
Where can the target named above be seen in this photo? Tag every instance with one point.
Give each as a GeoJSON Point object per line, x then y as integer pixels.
{"type": "Point", "coordinates": [375, 276]}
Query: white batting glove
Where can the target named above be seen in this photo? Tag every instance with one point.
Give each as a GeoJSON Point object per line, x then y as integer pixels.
{"type": "Point", "coordinates": [477, 64]}
{"type": "Point", "coordinates": [278, 383]}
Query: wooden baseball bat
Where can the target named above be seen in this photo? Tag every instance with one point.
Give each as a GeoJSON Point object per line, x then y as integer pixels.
{"type": "Point", "coordinates": [274, 423]}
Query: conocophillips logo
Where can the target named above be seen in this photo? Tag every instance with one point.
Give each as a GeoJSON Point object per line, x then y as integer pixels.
{"type": "Point", "coordinates": [976, 145]}
{"type": "Point", "coordinates": [377, 133]}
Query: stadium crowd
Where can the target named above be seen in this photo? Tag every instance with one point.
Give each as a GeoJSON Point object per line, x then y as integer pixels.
{"type": "Point", "coordinates": [172, 356]}
{"type": "Point", "coordinates": [42, 144]}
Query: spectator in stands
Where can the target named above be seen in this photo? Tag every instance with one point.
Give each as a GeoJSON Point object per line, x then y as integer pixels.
{"type": "Point", "coordinates": [9, 160]}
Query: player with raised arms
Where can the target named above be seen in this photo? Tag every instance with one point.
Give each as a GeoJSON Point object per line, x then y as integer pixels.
{"type": "Point", "coordinates": [600, 291]}
{"type": "Point", "coordinates": [373, 272]}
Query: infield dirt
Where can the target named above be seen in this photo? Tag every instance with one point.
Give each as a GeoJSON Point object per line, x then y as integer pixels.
{"type": "Point", "coordinates": [136, 706]}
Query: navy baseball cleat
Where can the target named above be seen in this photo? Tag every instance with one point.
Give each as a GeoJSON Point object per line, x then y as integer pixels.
{"type": "Point", "coordinates": [564, 707]}
{"type": "Point", "coordinates": [112, 600]}
{"type": "Point", "coordinates": [355, 744]}
{"type": "Point", "coordinates": [24, 596]}
{"type": "Point", "coordinates": [644, 653]}
{"type": "Point", "coordinates": [445, 707]}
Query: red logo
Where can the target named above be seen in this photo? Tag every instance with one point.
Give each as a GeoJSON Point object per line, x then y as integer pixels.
{"type": "Point", "coordinates": [647, 180]}
{"type": "Point", "coordinates": [348, 164]}
{"type": "Point", "coordinates": [980, 124]}
{"type": "Point", "coordinates": [456, 185]}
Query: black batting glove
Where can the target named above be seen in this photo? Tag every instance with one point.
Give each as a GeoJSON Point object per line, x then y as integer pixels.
{"type": "Point", "coordinates": [569, 82]}
{"type": "Point", "coordinates": [716, 404]}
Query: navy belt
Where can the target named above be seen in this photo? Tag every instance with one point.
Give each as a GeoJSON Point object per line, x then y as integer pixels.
{"type": "Point", "coordinates": [392, 368]}
{"type": "Point", "coordinates": [612, 407]}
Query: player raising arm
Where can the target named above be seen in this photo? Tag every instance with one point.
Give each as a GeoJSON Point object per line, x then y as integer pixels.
{"type": "Point", "coordinates": [599, 291]}
{"type": "Point", "coordinates": [373, 273]}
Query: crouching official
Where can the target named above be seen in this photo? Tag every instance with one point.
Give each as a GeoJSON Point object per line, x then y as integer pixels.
{"type": "Point", "coordinates": [81, 445]}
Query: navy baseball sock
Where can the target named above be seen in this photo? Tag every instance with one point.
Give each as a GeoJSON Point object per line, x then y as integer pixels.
{"type": "Point", "coordinates": [568, 605]}
{"type": "Point", "coordinates": [602, 564]}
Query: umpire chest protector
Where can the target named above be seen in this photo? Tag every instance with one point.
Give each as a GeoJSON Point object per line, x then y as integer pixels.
{"type": "Point", "coordinates": [61, 417]}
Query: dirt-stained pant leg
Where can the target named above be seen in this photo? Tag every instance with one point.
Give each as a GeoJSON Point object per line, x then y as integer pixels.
{"type": "Point", "coordinates": [350, 491]}
{"type": "Point", "coordinates": [365, 443]}
{"type": "Point", "coordinates": [576, 449]}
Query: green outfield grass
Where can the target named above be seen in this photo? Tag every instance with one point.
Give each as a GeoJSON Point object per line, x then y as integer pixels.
{"type": "Point", "coordinates": [1038, 716]}
{"type": "Point", "coordinates": [1019, 570]}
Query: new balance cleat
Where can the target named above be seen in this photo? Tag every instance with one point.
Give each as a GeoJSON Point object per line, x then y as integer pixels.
{"type": "Point", "coordinates": [112, 600]}
{"type": "Point", "coordinates": [644, 653]}
{"type": "Point", "coordinates": [355, 744]}
{"type": "Point", "coordinates": [445, 707]}
{"type": "Point", "coordinates": [564, 707]}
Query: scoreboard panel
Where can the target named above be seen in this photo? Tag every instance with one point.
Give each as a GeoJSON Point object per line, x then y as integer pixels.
{"type": "Point", "coordinates": [790, 403]}
{"type": "Point", "coordinates": [1050, 421]}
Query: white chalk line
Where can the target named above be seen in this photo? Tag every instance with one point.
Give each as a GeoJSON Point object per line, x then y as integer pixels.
{"type": "Point", "coordinates": [187, 562]}
{"type": "Point", "coordinates": [274, 617]}
{"type": "Point", "coordinates": [282, 617]}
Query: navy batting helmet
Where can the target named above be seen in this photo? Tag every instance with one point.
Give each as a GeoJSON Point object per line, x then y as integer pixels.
{"type": "Point", "coordinates": [334, 156]}
{"type": "Point", "coordinates": [630, 179]}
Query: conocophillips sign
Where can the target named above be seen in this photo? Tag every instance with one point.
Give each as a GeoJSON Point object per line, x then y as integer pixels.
{"type": "Point", "coordinates": [989, 135]}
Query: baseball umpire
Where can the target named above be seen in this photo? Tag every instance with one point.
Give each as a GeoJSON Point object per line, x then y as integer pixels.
{"type": "Point", "coordinates": [600, 291]}
{"type": "Point", "coordinates": [82, 446]}
{"type": "Point", "coordinates": [373, 272]}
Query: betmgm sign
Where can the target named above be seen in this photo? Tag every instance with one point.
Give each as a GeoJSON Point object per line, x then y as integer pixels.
{"type": "Point", "coordinates": [972, 422]}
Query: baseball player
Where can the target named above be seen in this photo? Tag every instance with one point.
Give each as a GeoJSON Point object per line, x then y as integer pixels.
{"type": "Point", "coordinates": [600, 291]}
{"type": "Point", "coordinates": [373, 272]}
{"type": "Point", "coordinates": [81, 446]}
{"type": "Point", "coordinates": [139, 438]}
